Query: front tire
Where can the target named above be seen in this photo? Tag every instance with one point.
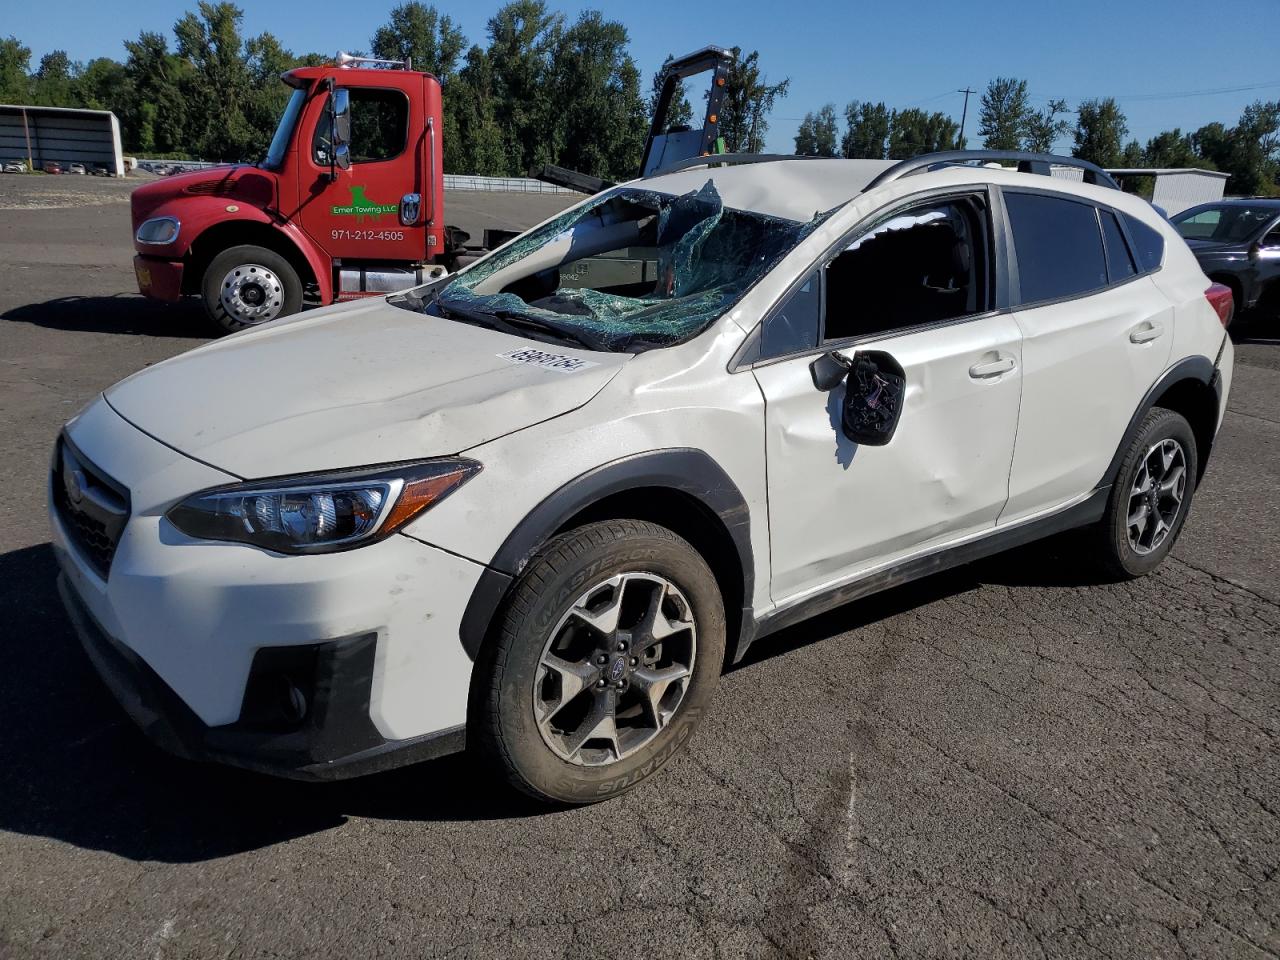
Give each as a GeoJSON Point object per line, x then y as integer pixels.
{"type": "Point", "coordinates": [606, 656]}
{"type": "Point", "coordinates": [1151, 498]}
{"type": "Point", "coordinates": [248, 285]}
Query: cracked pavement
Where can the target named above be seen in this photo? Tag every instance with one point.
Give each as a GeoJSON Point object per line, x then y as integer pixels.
{"type": "Point", "coordinates": [1007, 760]}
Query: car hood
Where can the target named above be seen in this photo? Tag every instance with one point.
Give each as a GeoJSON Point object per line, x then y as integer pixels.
{"type": "Point", "coordinates": [355, 385]}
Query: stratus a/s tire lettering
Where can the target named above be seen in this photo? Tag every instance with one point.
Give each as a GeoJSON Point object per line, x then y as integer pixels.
{"type": "Point", "coordinates": [618, 597]}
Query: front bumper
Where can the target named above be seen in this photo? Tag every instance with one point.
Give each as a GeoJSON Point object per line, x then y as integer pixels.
{"type": "Point", "coordinates": [197, 639]}
{"type": "Point", "coordinates": [331, 737]}
{"type": "Point", "coordinates": [157, 278]}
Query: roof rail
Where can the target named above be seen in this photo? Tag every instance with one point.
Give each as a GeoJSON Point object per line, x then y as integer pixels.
{"type": "Point", "coordinates": [728, 160]}
{"type": "Point", "coordinates": [1039, 163]}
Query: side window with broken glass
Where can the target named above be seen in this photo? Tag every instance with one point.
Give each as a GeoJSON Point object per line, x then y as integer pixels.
{"type": "Point", "coordinates": [631, 270]}
{"type": "Point", "coordinates": [924, 265]}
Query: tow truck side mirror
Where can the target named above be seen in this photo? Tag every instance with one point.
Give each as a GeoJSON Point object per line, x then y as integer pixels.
{"type": "Point", "coordinates": [340, 128]}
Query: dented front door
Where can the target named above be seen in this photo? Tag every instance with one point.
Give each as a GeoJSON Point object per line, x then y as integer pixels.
{"type": "Point", "coordinates": [837, 509]}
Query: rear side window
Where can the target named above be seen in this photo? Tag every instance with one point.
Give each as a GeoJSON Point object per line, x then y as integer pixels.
{"type": "Point", "coordinates": [1058, 245]}
{"type": "Point", "coordinates": [1148, 245]}
{"type": "Point", "coordinates": [1119, 264]}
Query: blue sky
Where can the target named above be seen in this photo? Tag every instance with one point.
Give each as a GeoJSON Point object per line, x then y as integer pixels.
{"type": "Point", "coordinates": [907, 54]}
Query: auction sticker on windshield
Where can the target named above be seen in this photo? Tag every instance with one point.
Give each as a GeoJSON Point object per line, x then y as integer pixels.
{"type": "Point", "coordinates": [559, 362]}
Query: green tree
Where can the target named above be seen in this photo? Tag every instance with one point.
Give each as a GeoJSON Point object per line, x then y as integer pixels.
{"type": "Point", "coordinates": [818, 135]}
{"type": "Point", "coordinates": [220, 82]}
{"type": "Point", "coordinates": [1171, 148]}
{"type": "Point", "coordinates": [419, 32]}
{"type": "Point", "coordinates": [679, 111]}
{"type": "Point", "coordinates": [1255, 150]}
{"type": "Point", "coordinates": [15, 61]}
{"type": "Point", "coordinates": [101, 84]}
{"type": "Point", "coordinates": [478, 147]}
{"type": "Point", "coordinates": [598, 123]}
{"type": "Point", "coordinates": [51, 84]}
{"type": "Point", "coordinates": [748, 100]}
{"type": "Point", "coordinates": [867, 130]}
{"type": "Point", "coordinates": [154, 107]}
{"type": "Point", "coordinates": [1043, 128]}
{"type": "Point", "coordinates": [265, 59]}
{"type": "Point", "coordinates": [1133, 154]}
{"type": "Point", "coordinates": [1100, 132]}
{"type": "Point", "coordinates": [522, 38]}
{"type": "Point", "coordinates": [1002, 122]}
{"type": "Point", "coordinates": [913, 132]}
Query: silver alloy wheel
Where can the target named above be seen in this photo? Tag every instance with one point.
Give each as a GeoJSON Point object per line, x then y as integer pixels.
{"type": "Point", "coordinates": [615, 669]}
{"type": "Point", "coordinates": [1156, 496]}
{"type": "Point", "coordinates": [252, 293]}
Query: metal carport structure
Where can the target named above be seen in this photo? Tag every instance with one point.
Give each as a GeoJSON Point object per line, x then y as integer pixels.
{"type": "Point", "coordinates": [62, 134]}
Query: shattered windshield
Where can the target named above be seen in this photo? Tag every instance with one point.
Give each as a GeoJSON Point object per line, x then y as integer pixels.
{"type": "Point", "coordinates": [628, 271]}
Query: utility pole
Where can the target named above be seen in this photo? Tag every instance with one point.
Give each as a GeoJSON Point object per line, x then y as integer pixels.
{"type": "Point", "coordinates": [964, 114]}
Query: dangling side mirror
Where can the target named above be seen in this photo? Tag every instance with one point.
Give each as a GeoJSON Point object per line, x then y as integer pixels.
{"type": "Point", "coordinates": [875, 386]}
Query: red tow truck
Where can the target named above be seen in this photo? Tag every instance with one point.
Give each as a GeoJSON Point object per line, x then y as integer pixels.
{"type": "Point", "coordinates": [349, 200]}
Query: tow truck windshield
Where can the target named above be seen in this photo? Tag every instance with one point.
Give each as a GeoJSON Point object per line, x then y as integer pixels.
{"type": "Point", "coordinates": [284, 130]}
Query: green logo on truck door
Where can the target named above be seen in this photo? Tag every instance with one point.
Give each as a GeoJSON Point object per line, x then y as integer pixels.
{"type": "Point", "coordinates": [361, 207]}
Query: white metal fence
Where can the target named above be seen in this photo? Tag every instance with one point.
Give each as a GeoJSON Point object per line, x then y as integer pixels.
{"type": "Point", "coordinates": [454, 181]}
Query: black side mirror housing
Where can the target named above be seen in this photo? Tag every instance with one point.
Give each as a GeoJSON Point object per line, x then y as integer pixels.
{"type": "Point", "coordinates": [875, 385]}
{"type": "Point", "coordinates": [876, 388]}
{"type": "Point", "coordinates": [829, 371]}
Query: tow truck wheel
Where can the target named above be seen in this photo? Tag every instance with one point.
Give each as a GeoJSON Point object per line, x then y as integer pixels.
{"type": "Point", "coordinates": [247, 285]}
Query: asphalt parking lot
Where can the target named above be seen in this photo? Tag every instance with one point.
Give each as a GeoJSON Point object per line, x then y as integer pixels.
{"type": "Point", "coordinates": [1007, 760]}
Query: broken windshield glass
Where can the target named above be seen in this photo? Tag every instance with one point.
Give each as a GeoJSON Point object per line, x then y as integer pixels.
{"type": "Point", "coordinates": [628, 271]}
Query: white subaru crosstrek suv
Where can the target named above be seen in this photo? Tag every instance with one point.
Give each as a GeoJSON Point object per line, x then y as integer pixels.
{"type": "Point", "coordinates": [537, 506]}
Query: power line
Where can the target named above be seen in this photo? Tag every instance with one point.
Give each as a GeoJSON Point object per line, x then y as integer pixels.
{"type": "Point", "coordinates": [1180, 95]}
{"type": "Point", "coordinates": [964, 114]}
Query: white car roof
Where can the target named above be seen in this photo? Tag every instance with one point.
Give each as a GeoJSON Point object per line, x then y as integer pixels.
{"type": "Point", "coordinates": [799, 188]}
{"type": "Point", "coordinates": [791, 189]}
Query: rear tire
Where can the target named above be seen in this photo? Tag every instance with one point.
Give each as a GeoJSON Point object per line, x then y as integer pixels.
{"type": "Point", "coordinates": [246, 286]}
{"type": "Point", "coordinates": [1151, 498]}
{"type": "Point", "coordinates": [606, 655]}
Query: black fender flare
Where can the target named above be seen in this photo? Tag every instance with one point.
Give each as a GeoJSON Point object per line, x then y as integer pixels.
{"type": "Point", "coordinates": [687, 470]}
{"type": "Point", "coordinates": [1199, 368]}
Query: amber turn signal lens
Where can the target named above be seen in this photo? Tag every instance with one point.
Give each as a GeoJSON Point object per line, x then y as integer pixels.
{"type": "Point", "coordinates": [420, 494]}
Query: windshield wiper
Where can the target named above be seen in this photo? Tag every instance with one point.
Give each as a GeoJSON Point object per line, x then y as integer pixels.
{"type": "Point", "coordinates": [517, 324]}
{"type": "Point", "coordinates": [542, 325]}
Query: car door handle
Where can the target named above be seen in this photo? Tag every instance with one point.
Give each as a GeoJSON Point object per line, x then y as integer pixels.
{"type": "Point", "coordinates": [991, 368]}
{"type": "Point", "coordinates": [1146, 331]}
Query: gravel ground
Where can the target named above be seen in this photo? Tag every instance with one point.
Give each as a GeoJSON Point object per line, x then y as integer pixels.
{"type": "Point", "coordinates": [38, 191]}
{"type": "Point", "coordinates": [1007, 760]}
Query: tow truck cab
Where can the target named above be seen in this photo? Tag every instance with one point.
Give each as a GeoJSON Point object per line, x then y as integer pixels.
{"type": "Point", "coordinates": [349, 199]}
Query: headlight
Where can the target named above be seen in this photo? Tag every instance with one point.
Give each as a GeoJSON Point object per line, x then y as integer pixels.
{"type": "Point", "coordinates": [321, 513]}
{"type": "Point", "coordinates": [159, 231]}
